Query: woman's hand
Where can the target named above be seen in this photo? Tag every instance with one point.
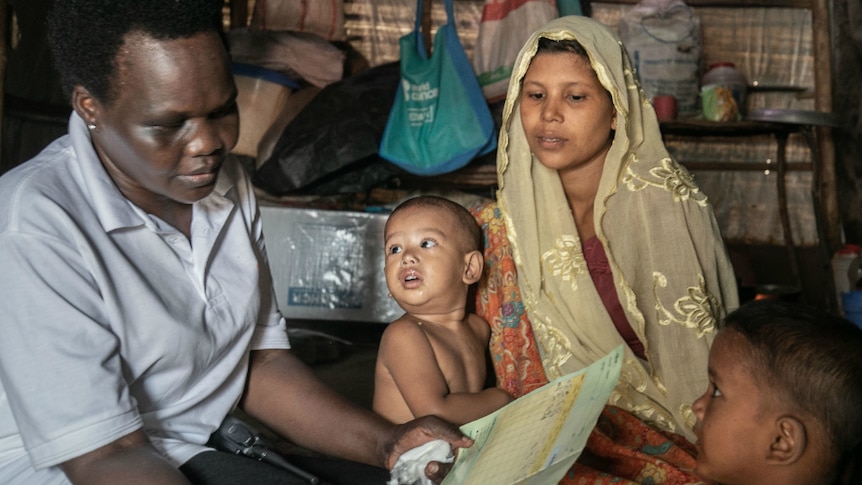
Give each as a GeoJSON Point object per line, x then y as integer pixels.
{"type": "Point", "coordinates": [422, 430]}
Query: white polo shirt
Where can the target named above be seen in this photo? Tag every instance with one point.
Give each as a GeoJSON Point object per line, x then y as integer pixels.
{"type": "Point", "coordinates": [111, 320]}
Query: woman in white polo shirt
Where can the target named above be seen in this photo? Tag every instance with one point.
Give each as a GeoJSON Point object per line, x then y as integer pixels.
{"type": "Point", "coordinates": [136, 305]}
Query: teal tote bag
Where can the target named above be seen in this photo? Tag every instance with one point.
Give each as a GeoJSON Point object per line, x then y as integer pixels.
{"type": "Point", "coordinates": [440, 119]}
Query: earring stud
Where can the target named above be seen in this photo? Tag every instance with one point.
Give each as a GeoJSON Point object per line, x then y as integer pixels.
{"type": "Point", "coordinates": [91, 126]}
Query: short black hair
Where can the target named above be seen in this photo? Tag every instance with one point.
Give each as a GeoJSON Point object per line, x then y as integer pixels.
{"type": "Point", "coordinates": [811, 356]}
{"type": "Point", "coordinates": [86, 35]}
{"type": "Point", "coordinates": [464, 220]}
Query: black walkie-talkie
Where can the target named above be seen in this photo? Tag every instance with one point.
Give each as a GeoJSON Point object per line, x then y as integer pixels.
{"type": "Point", "coordinates": [236, 436]}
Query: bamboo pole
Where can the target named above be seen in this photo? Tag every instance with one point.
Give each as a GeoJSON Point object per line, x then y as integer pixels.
{"type": "Point", "coordinates": [827, 189]}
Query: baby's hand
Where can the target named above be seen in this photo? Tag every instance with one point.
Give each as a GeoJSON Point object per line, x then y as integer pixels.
{"type": "Point", "coordinates": [503, 396]}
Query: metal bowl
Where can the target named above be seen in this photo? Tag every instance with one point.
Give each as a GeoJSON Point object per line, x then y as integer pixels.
{"type": "Point", "coordinates": [777, 292]}
{"type": "Point", "coordinates": [793, 116]}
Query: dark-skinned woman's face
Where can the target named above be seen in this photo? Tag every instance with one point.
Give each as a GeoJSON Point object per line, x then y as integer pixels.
{"type": "Point", "coordinates": [172, 121]}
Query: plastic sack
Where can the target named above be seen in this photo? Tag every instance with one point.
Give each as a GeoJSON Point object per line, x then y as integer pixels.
{"type": "Point", "coordinates": [439, 119]}
{"type": "Point", "coordinates": [504, 29]}
{"type": "Point", "coordinates": [294, 54]}
{"type": "Point", "coordinates": [324, 18]}
{"type": "Point", "coordinates": [664, 41]}
{"type": "Point", "coordinates": [335, 136]}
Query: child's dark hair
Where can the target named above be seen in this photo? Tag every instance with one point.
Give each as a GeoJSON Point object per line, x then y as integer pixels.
{"type": "Point", "coordinates": [86, 35]}
{"type": "Point", "coordinates": [465, 220]}
{"type": "Point", "coordinates": [815, 360]}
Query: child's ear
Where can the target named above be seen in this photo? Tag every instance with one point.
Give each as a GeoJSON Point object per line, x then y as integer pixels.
{"type": "Point", "coordinates": [789, 442]}
{"type": "Point", "coordinates": [474, 263]}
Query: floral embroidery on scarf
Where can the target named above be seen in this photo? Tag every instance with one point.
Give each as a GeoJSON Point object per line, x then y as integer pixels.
{"type": "Point", "coordinates": [646, 412]}
{"type": "Point", "coordinates": [566, 259]}
{"type": "Point", "coordinates": [670, 176]}
{"type": "Point", "coordinates": [659, 384]}
{"type": "Point", "coordinates": [634, 376]}
{"type": "Point", "coordinates": [693, 311]}
{"type": "Point", "coordinates": [688, 415]}
{"type": "Point", "coordinates": [556, 347]}
{"type": "Point", "coordinates": [629, 299]}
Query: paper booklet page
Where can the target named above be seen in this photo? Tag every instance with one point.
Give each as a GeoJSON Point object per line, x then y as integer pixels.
{"type": "Point", "coordinates": [535, 439]}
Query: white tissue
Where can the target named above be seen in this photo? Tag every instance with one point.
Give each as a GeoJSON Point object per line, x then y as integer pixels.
{"type": "Point", "coordinates": [410, 467]}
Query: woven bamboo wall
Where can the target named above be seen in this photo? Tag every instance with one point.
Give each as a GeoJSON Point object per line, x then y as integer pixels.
{"type": "Point", "coordinates": [772, 46]}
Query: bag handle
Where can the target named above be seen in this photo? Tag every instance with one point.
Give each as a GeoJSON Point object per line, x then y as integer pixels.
{"type": "Point", "coordinates": [417, 26]}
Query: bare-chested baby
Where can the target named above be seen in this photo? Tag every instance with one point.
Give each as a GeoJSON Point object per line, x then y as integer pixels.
{"type": "Point", "coordinates": [433, 359]}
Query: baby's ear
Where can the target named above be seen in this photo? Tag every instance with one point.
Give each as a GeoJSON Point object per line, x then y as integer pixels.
{"type": "Point", "coordinates": [788, 444]}
{"type": "Point", "coordinates": [474, 263]}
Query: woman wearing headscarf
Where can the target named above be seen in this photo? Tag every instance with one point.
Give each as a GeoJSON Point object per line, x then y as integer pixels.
{"type": "Point", "coordinates": [598, 238]}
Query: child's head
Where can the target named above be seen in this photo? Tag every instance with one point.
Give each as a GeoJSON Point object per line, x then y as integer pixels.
{"type": "Point", "coordinates": [568, 116]}
{"type": "Point", "coordinates": [784, 399]}
{"type": "Point", "coordinates": [433, 254]}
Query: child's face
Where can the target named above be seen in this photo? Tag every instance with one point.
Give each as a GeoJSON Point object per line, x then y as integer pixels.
{"type": "Point", "coordinates": [567, 114]}
{"type": "Point", "coordinates": [733, 422]}
{"type": "Point", "coordinates": [425, 260]}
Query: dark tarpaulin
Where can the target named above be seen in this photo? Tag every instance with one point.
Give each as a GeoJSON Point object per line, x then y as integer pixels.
{"type": "Point", "coordinates": [331, 146]}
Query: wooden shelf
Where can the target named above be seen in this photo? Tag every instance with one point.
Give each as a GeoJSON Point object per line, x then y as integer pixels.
{"type": "Point", "coordinates": [698, 127]}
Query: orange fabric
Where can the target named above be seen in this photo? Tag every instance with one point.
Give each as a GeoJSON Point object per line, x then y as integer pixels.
{"type": "Point", "coordinates": [622, 449]}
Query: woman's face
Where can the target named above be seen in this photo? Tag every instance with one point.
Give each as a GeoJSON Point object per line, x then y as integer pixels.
{"type": "Point", "coordinates": [566, 113]}
{"type": "Point", "coordinates": [174, 118]}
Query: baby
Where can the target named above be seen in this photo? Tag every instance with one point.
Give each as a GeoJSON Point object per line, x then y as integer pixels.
{"type": "Point", "coordinates": [784, 403]}
{"type": "Point", "coordinates": [433, 359]}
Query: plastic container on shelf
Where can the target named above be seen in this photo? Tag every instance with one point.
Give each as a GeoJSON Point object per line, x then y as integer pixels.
{"type": "Point", "coordinates": [851, 304]}
{"type": "Point", "coordinates": [725, 76]}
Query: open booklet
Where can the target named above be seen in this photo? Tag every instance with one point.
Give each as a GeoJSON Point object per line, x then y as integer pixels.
{"type": "Point", "coordinates": [535, 439]}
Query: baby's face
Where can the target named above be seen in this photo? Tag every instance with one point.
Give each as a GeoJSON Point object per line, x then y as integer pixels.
{"type": "Point", "coordinates": [425, 260]}
{"type": "Point", "coordinates": [734, 427]}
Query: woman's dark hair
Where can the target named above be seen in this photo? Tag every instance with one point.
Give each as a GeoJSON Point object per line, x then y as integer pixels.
{"type": "Point", "coordinates": [570, 46]}
{"type": "Point", "coordinates": [551, 46]}
{"type": "Point", "coordinates": [815, 360]}
{"type": "Point", "coordinates": [86, 35]}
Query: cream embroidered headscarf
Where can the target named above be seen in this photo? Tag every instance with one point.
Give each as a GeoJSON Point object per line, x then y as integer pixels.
{"type": "Point", "coordinates": [670, 267]}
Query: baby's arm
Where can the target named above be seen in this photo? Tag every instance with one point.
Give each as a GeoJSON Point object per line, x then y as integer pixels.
{"type": "Point", "coordinates": [407, 355]}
